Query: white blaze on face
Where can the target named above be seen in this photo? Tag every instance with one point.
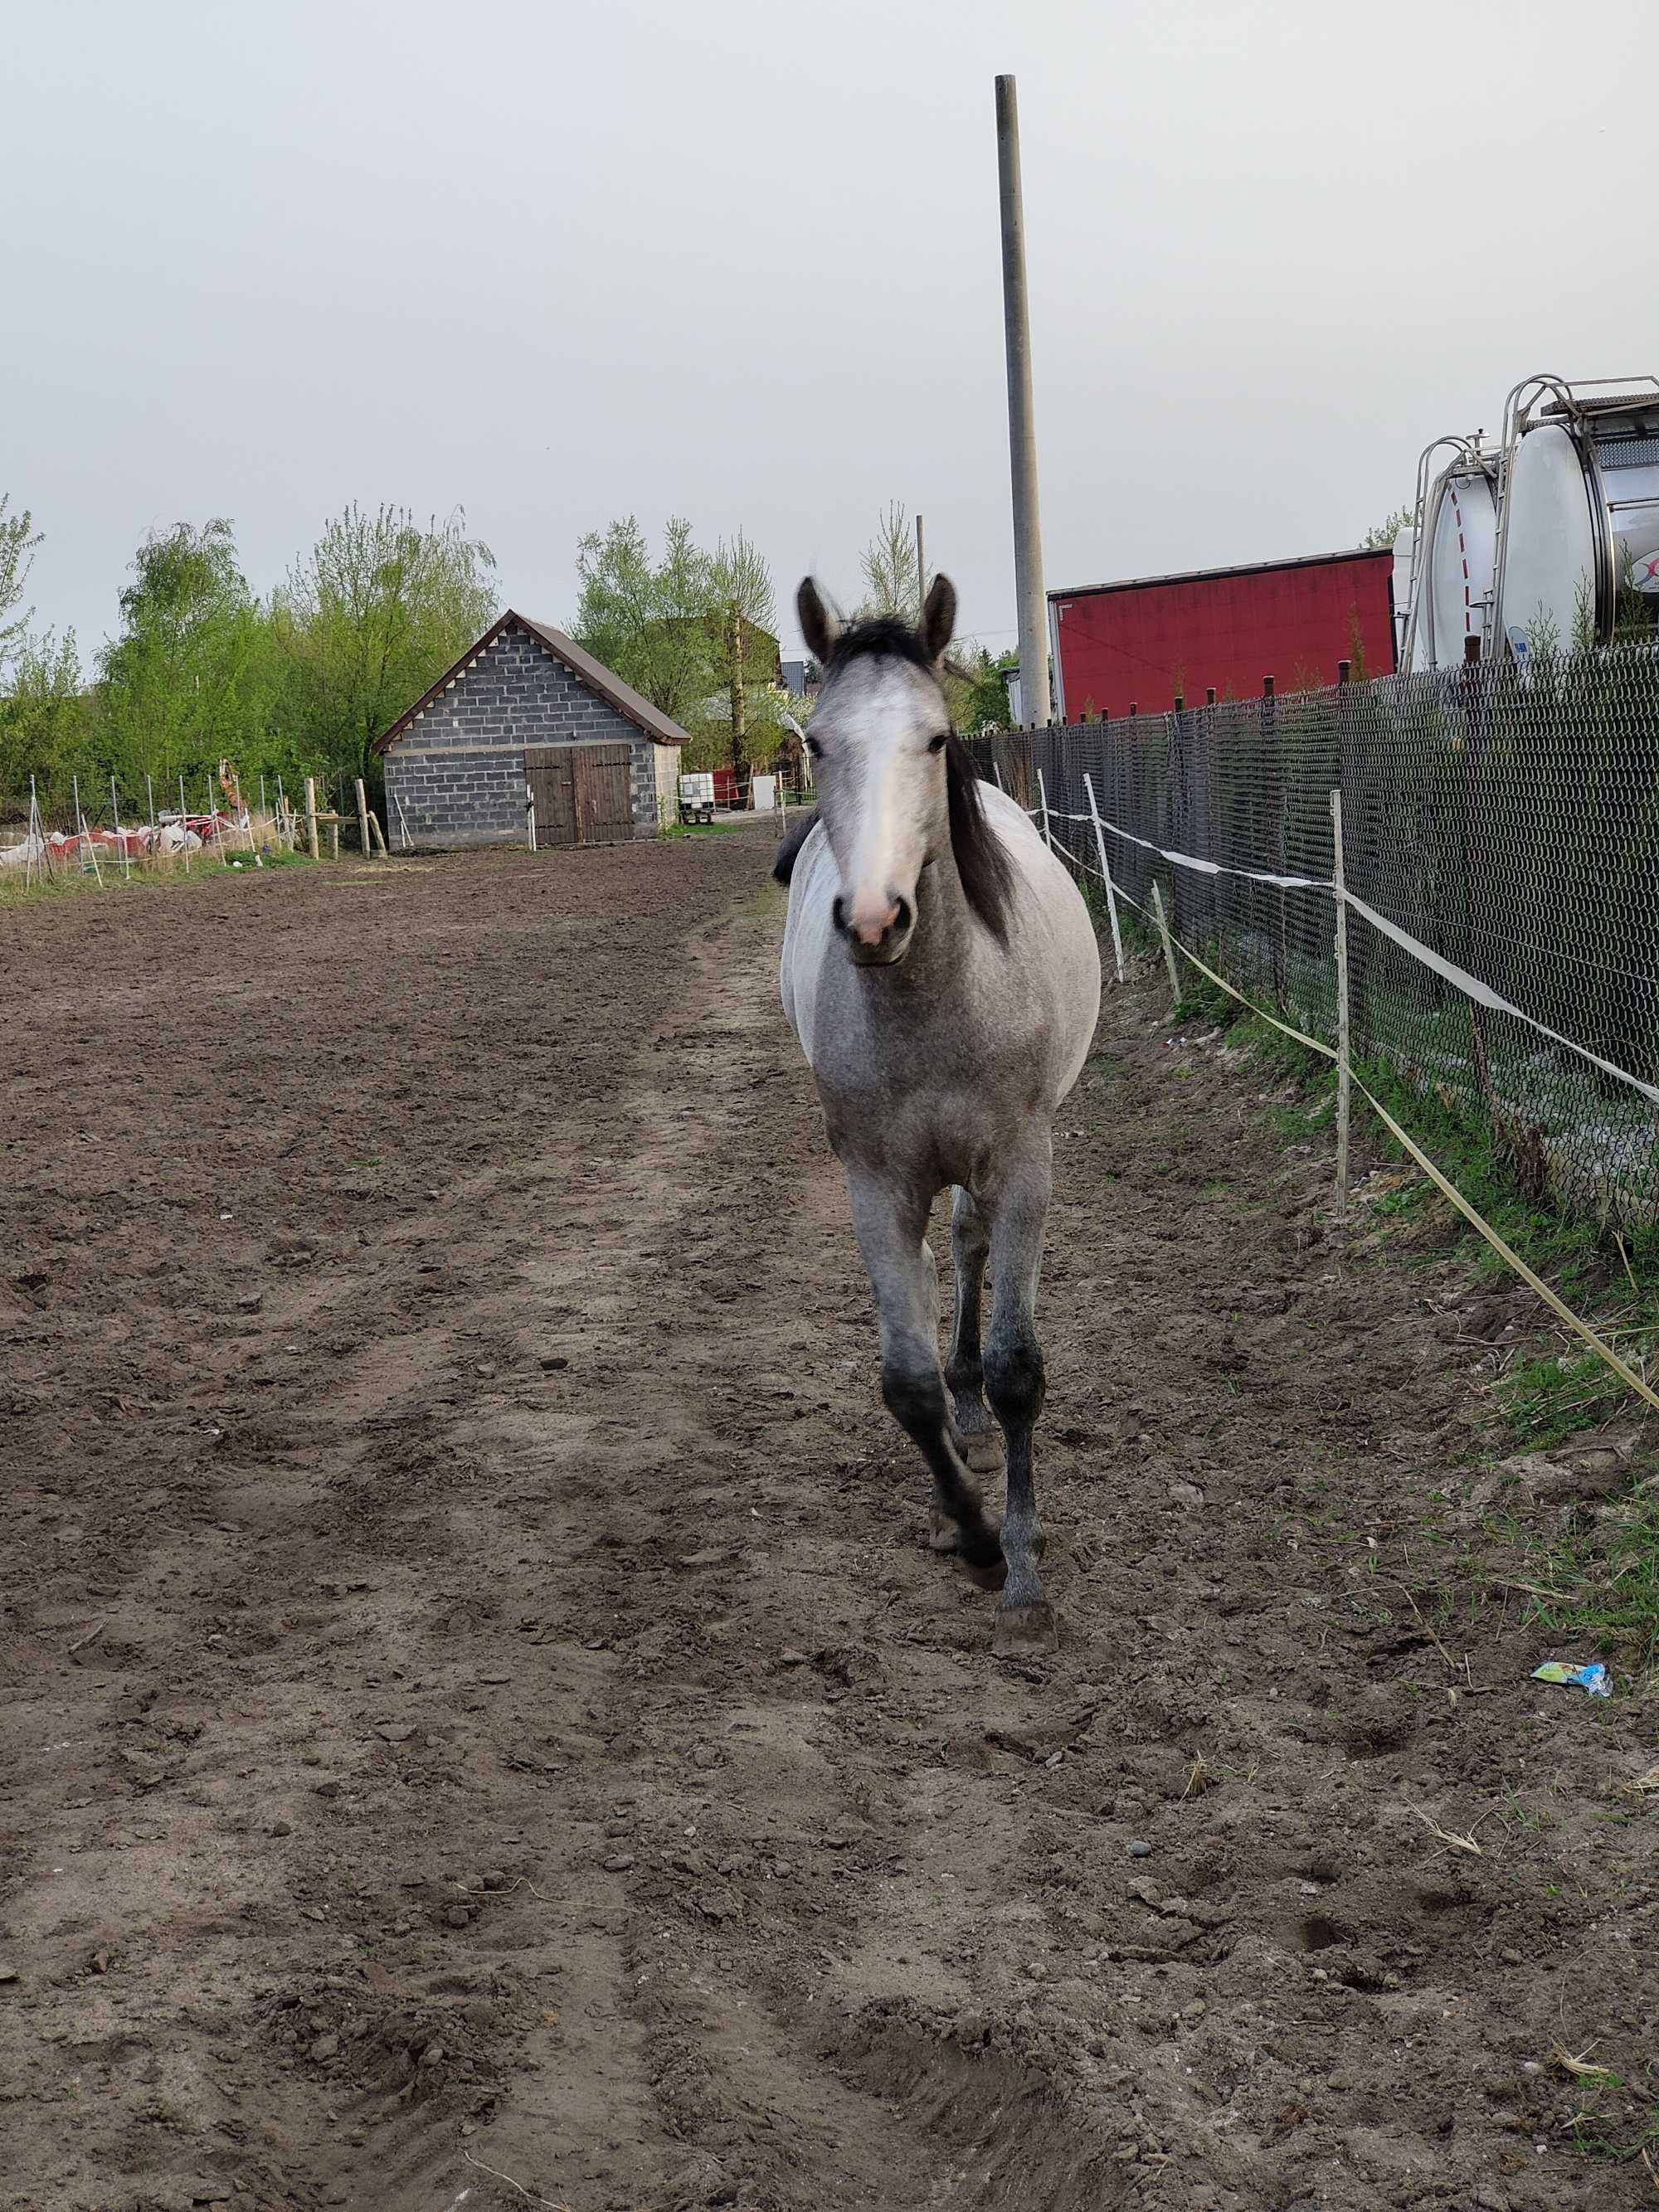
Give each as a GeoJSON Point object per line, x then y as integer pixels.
{"type": "Point", "coordinates": [882, 776]}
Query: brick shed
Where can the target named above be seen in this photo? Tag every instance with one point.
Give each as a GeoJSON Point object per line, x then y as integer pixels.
{"type": "Point", "coordinates": [527, 706]}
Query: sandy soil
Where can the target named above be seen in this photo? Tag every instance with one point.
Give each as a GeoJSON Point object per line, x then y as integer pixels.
{"type": "Point", "coordinates": [476, 1695]}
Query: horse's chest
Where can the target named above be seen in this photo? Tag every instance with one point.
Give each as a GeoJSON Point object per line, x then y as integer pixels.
{"type": "Point", "coordinates": [932, 1100]}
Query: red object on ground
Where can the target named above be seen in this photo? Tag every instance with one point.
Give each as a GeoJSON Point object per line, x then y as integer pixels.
{"type": "Point", "coordinates": [726, 788]}
{"type": "Point", "coordinates": [1145, 641]}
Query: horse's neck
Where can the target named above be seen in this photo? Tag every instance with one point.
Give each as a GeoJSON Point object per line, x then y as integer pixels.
{"type": "Point", "coordinates": [941, 955]}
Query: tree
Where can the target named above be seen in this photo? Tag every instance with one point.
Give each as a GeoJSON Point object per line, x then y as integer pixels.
{"type": "Point", "coordinates": [189, 678]}
{"type": "Point", "coordinates": [376, 612]}
{"type": "Point", "coordinates": [18, 539]}
{"type": "Point", "coordinates": [889, 562]}
{"type": "Point", "coordinates": [1381, 535]}
{"type": "Point", "coordinates": [975, 686]}
{"type": "Point", "coordinates": [745, 611]}
{"type": "Point", "coordinates": [652, 625]}
{"type": "Point", "coordinates": [44, 721]}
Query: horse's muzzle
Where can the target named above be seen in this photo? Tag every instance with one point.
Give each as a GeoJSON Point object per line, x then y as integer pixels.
{"type": "Point", "coordinates": [883, 951]}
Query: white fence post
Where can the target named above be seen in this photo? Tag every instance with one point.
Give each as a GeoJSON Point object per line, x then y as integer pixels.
{"type": "Point", "coordinates": [1344, 1081]}
{"type": "Point", "coordinates": [84, 847]}
{"type": "Point", "coordinates": [115, 817]}
{"type": "Point", "coordinates": [530, 814]}
{"type": "Point", "coordinates": [1106, 875]}
{"type": "Point", "coordinates": [1169, 945]}
{"type": "Point", "coordinates": [1042, 800]}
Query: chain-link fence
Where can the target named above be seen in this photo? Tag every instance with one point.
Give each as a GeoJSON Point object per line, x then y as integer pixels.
{"type": "Point", "coordinates": [1501, 851]}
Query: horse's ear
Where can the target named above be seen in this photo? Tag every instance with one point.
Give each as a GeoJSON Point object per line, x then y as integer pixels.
{"type": "Point", "coordinates": [938, 618]}
{"type": "Point", "coordinates": [819, 624]}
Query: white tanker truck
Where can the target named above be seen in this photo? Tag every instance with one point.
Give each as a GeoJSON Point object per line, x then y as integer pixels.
{"type": "Point", "coordinates": [1548, 539]}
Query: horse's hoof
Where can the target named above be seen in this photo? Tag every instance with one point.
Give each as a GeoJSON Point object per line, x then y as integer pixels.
{"type": "Point", "coordinates": [989, 1574]}
{"type": "Point", "coordinates": [1023, 1630]}
{"type": "Point", "coordinates": [982, 1452]}
{"type": "Point", "coordinates": [942, 1533]}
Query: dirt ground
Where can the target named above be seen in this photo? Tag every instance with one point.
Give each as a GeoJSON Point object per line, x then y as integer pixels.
{"type": "Point", "coordinates": [481, 1724]}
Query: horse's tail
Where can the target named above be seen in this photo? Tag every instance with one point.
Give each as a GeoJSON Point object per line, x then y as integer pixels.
{"type": "Point", "coordinates": [789, 852]}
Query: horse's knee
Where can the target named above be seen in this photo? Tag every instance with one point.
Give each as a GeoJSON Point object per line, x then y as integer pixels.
{"type": "Point", "coordinates": [915, 1396]}
{"type": "Point", "coordinates": [1014, 1381]}
{"type": "Point", "coordinates": [964, 1371]}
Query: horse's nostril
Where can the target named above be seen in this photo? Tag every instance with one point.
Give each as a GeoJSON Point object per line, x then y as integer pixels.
{"type": "Point", "coordinates": [838, 915]}
{"type": "Point", "coordinates": [902, 922]}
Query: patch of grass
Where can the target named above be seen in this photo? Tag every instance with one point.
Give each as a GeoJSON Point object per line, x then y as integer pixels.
{"type": "Point", "coordinates": [1201, 1000]}
{"type": "Point", "coordinates": [1549, 1400]}
{"type": "Point", "coordinates": [1602, 1587]}
{"type": "Point", "coordinates": [1597, 2134]}
{"type": "Point", "coordinates": [1310, 1071]}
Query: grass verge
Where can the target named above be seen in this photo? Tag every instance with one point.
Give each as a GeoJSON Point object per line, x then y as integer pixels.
{"type": "Point", "coordinates": [1588, 1572]}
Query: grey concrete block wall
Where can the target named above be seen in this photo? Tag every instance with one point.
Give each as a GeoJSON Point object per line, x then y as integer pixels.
{"type": "Point", "coordinates": [455, 776]}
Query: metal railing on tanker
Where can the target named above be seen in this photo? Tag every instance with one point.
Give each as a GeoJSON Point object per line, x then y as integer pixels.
{"type": "Point", "coordinates": [1500, 852]}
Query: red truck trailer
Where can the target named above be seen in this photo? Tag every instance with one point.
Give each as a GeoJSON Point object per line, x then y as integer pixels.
{"type": "Point", "coordinates": [1142, 642]}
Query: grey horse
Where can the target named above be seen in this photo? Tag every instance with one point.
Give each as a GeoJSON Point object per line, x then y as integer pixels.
{"type": "Point", "coordinates": [941, 974]}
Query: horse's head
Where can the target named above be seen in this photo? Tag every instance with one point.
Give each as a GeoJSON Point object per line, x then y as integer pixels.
{"type": "Point", "coordinates": [895, 789]}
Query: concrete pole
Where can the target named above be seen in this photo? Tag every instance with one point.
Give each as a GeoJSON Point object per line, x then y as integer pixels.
{"type": "Point", "coordinates": [1035, 706]}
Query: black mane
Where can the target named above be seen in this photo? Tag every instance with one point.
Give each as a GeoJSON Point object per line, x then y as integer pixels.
{"type": "Point", "coordinates": [783, 867]}
{"type": "Point", "coordinates": [987, 881]}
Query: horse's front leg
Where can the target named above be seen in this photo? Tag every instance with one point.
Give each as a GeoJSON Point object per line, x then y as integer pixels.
{"type": "Point", "coordinates": [891, 1223]}
{"type": "Point", "coordinates": [1019, 1208]}
{"type": "Point", "coordinates": [964, 1371]}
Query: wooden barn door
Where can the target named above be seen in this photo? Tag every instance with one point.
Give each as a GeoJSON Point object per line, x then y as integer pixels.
{"type": "Point", "coordinates": [549, 772]}
{"type": "Point", "coordinates": [584, 794]}
{"type": "Point", "coordinates": [605, 794]}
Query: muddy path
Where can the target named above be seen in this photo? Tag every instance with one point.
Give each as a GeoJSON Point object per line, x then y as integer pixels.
{"type": "Point", "coordinates": [480, 1717]}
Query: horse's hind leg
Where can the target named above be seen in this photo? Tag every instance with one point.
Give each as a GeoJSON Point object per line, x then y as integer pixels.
{"type": "Point", "coordinates": [1019, 1207]}
{"type": "Point", "coordinates": [980, 1440]}
{"type": "Point", "coordinates": [891, 1225]}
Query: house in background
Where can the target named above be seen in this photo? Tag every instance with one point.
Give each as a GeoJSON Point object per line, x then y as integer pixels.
{"type": "Point", "coordinates": [526, 716]}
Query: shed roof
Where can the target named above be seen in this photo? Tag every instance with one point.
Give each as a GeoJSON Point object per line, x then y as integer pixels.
{"type": "Point", "coordinates": [623, 697]}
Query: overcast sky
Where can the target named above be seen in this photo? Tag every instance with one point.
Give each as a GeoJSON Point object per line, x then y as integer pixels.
{"type": "Point", "coordinates": [554, 264]}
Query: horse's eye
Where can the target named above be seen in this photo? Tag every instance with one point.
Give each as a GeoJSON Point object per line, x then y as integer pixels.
{"type": "Point", "coordinates": [815, 748]}
{"type": "Point", "coordinates": [937, 744]}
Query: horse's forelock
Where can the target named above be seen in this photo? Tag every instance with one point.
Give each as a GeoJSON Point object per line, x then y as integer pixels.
{"type": "Point", "coordinates": [881, 637]}
{"type": "Point", "coordinates": [982, 864]}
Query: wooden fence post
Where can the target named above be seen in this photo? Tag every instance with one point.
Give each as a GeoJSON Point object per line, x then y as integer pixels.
{"type": "Point", "coordinates": [1169, 945]}
{"type": "Point", "coordinates": [362, 816]}
{"type": "Point", "coordinates": [1344, 1077]}
{"type": "Point", "coordinates": [1106, 874]}
{"type": "Point", "coordinates": [311, 816]}
{"type": "Point", "coordinates": [529, 814]}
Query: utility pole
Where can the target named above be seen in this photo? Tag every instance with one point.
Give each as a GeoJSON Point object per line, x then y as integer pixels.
{"type": "Point", "coordinates": [922, 572]}
{"type": "Point", "coordinates": [1035, 709]}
